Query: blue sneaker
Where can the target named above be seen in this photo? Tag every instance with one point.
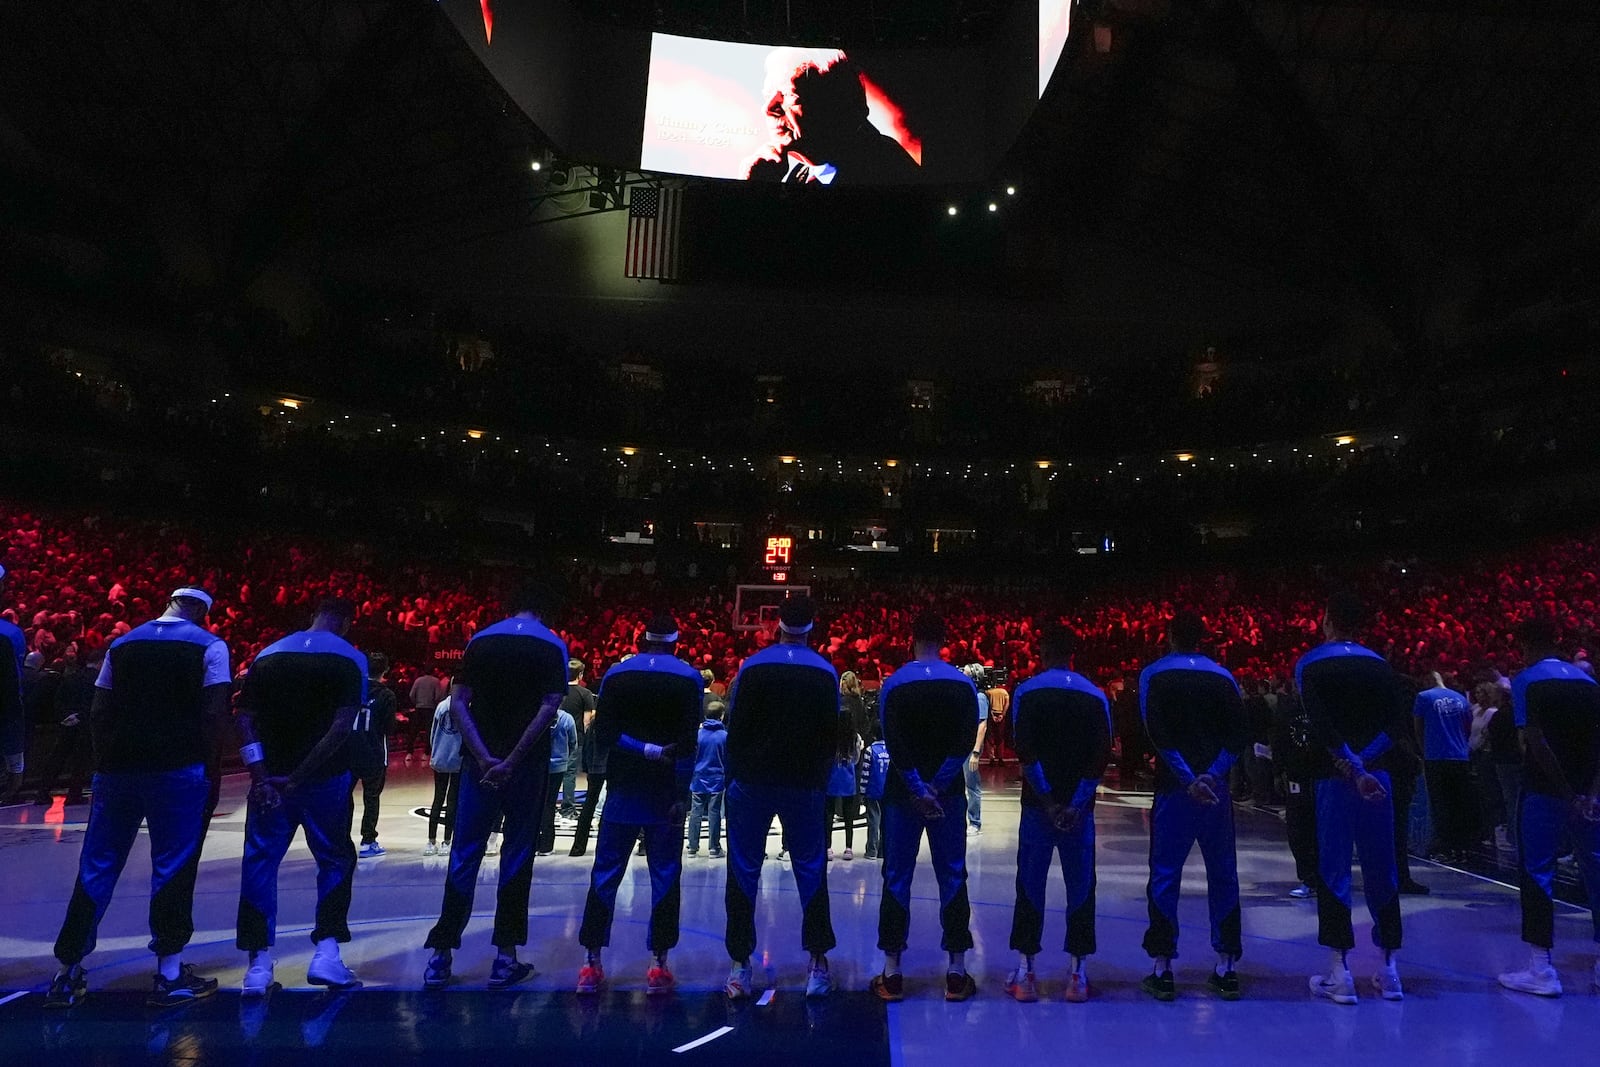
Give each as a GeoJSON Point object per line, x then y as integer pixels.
{"type": "Point", "coordinates": [437, 975]}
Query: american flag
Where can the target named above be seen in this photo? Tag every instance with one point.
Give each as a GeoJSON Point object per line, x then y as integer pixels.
{"type": "Point", "coordinates": [654, 243]}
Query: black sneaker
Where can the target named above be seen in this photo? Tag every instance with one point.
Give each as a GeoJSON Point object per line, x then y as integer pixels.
{"type": "Point", "coordinates": [67, 988]}
{"type": "Point", "coordinates": [187, 987]}
{"type": "Point", "coordinates": [507, 973]}
{"type": "Point", "coordinates": [1161, 986]}
{"type": "Point", "coordinates": [1225, 986]}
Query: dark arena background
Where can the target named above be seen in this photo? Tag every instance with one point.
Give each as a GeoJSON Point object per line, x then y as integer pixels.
{"type": "Point", "coordinates": [1016, 334]}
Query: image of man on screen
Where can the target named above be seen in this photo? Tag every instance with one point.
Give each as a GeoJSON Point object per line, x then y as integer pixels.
{"type": "Point", "coordinates": [818, 127]}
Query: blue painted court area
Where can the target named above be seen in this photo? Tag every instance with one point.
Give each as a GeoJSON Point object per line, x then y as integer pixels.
{"type": "Point", "coordinates": [395, 1029]}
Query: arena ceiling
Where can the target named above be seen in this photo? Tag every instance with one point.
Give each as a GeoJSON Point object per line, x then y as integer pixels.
{"type": "Point", "coordinates": [1366, 148]}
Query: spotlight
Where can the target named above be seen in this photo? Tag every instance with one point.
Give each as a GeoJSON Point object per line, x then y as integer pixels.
{"type": "Point", "coordinates": [993, 206]}
{"type": "Point", "coordinates": [1011, 190]}
{"type": "Point", "coordinates": [536, 165]}
{"type": "Point", "coordinates": [951, 210]}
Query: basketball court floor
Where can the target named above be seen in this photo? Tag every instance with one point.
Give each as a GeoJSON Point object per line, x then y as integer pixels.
{"type": "Point", "coordinates": [1454, 1013]}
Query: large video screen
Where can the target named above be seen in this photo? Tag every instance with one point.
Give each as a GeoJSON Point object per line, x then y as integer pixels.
{"type": "Point", "coordinates": [1055, 21]}
{"type": "Point", "coordinates": [821, 116]}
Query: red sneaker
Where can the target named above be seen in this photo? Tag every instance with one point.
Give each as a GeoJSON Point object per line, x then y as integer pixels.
{"type": "Point", "coordinates": [659, 981]}
{"type": "Point", "coordinates": [591, 978]}
{"type": "Point", "coordinates": [1077, 989]}
{"type": "Point", "coordinates": [890, 987]}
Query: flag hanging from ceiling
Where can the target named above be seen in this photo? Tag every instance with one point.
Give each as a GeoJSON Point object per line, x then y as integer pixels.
{"type": "Point", "coordinates": [655, 217]}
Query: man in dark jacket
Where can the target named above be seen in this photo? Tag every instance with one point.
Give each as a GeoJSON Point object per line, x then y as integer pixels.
{"type": "Point", "coordinates": [368, 749]}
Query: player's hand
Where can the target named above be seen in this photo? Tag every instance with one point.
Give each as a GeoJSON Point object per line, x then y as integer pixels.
{"type": "Point", "coordinates": [1064, 817]}
{"type": "Point", "coordinates": [1370, 788]}
{"type": "Point", "coordinates": [927, 805]}
{"type": "Point", "coordinates": [669, 754]}
{"type": "Point", "coordinates": [1587, 808]}
{"type": "Point", "coordinates": [1345, 768]}
{"type": "Point", "coordinates": [264, 796]}
{"type": "Point", "coordinates": [496, 775]}
{"type": "Point", "coordinates": [1203, 790]}
{"type": "Point", "coordinates": [71, 720]}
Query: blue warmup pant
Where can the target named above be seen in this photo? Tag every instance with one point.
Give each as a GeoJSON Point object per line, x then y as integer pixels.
{"type": "Point", "coordinates": [324, 810]}
{"type": "Point", "coordinates": [803, 815]}
{"type": "Point", "coordinates": [1176, 824]}
{"type": "Point", "coordinates": [947, 844]}
{"type": "Point", "coordinates": [1545, 824]}
{"type": "Point", "coordinates": [173, 803]}
{"type": "Point", "coordinates": [703, 808]}
{"type": "Point", "coordinates": [1344, 821]}
{"type": "Point", "coordinates": [1038, 842]}
{"type": "Point", "coordinates": [663, 851]}
{"type": "Point", "coordinates": [974, 794]}
{"type": "Point", "coordinates": [520, 800]}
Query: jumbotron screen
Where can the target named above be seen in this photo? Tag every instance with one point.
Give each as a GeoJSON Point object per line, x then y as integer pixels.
{"type": "Point", "coordinates": [721, 109]}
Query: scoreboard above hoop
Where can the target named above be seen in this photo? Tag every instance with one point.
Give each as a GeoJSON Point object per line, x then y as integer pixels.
{"type": "Point", "coordinates": [778, 558]}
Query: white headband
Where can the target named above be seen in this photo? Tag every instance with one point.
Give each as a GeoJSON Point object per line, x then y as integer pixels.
{"type": "Point", "coordinates": [796, 631]}
{"type": "Point", "coordinates": [662, 639]}
{"type": "Point", "coordinates": [193, 593]}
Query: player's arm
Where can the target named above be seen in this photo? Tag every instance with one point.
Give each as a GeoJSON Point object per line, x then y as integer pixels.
{"type": "Point", "coordinates": [471, 739]}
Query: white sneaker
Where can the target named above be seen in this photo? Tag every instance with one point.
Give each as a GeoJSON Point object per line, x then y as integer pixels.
{"type": "Point", "coordinates": [1338, 987]}
{"type": "Point", "coordinates": [819, 983]}
{"type": "Point", "coordinates": [493, 846]}
{"type": "Point", "coordinates": [430, 849]}
{"type": "Point", "coordinates": [1540, 981]}
{"type": "Point", "coordinates": [974, 831]}
{"type": "Point", "coordinates": [1387, 984]}
{"type": "Point", "coordinates": [330, 971]}
{"type": "Point", "coordinates": [258, 977]}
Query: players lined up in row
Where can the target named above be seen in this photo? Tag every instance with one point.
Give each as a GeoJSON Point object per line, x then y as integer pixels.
{"type": "Point", "coordinates": [161, 707]}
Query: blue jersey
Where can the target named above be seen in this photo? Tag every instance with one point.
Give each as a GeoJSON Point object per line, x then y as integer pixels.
{"type": "Point", "coordinates": [1354, 703]}
{"type": "Point", "coordinates": [157, 675]}
{"type": "Point", "coordinates": [1061, 724]}
{"type": "Point", "coordinates": [650, 699]}
{"type": "Point", "coordinates": [1446, 723]}
{"type": "Point", "coordinates": [1563, 703]}
{"type": "Point", "coordinates": [783, 721]}
{"type": "Point", "coordinates": [1194, 714]}
{"type": "Point", "coordinates": [295, 690]}
{"type": "Point", "coordinates": [930, 714]}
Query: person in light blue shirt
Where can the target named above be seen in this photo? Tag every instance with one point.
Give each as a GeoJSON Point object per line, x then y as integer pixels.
{"type": "Point", "coordinates": [1444, 726]}
{"type": "Point", "coordinates": [563, 743]}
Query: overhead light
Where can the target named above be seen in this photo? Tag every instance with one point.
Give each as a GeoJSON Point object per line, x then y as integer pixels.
{"type": "Point", "coordinates": [536, 165]}
{"type": "Point", "coordinates": [1043, 464]}
{"type": "Point", "coordinates": [289, 402]}
{"type": "Point", "coordinates": [1185, 457]}
{"type": "Point", "coordinates": [629, 450]}
{"type": "Point", "coordinates": [951, 210]}
{"type": "Point", "coordinates": [786, 459]}
{"type": "Point", "coordinates": [1344, 441]}
{"type": "Point", "coordinates": [891, 463]}
{"type": "Point", "coordinates": [1011, 190]}
{"type": "Point", "coordinates": [476, 435]}
{"type": "Point", "coordinates": [993, 206]}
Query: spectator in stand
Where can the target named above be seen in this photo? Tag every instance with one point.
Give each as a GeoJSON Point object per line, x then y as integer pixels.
{"type": "Point", "coordinates": [842, 804]}
{"type": "Point", "coordinates": [563, 746]}
{"type": "Point", "coordinates": [426, 692]}
{"type": "Point", "coordinates": [579, 703]}
{"type": "Point", "coordinates": [971, 777]}
{"type": "Point", "coordinates": [994, 735]}
{"type": "Point", "coordinates": [1505, 754]}
{"type": "Point", "coordinates": [710, 779]}
{"type": "Point", "coordinates": [1557, 707]}
{"type": "Point", "coordinates": [875, 775]}
{"type": "Point", "coordinates": [73, 697]}
{"type": "Point", "coordinates": [161, 706]}
{"type": "Point", "coordinates": [444, 757]}
{"type": "Point", "coordinates": [1293, 750]}
{"type": "Point", "coordinates": [854, 702]}
{"type": "Point", "coordinates": [369, 750]}
{"type": "Point", "coordinates": [1444, 727]}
